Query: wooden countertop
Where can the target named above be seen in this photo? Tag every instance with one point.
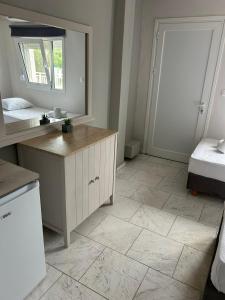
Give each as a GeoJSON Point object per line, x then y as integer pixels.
{"type": "Point", "coordinates": [12, 177]}
{"type": "Point", "coordinates": [64, 144]}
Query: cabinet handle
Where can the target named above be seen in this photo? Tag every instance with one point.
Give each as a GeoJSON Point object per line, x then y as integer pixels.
{"type": "Point", "coordinates": [96, 178]}
{"type": "Point", "coordinates": [91, 181]}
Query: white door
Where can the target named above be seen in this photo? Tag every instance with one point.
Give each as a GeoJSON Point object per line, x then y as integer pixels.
{"type": "Point", "coordinates": [185, 61]}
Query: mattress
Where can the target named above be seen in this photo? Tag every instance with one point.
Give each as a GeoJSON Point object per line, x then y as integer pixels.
{"type": "Point", "coordinates": [23, 114]}
{"type": "Point", "coordinates": [207, 161]}
{"type": "Point", "coordinates": [218, 266]}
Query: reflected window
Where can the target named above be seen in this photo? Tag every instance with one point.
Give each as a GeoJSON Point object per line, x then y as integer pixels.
{"type": "Point", "coordinates": [43, 61]}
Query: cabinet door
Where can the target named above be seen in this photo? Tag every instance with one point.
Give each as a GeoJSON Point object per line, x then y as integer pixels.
{"type": "Point", "coordinates": [103, 172]}
{"type": "Point", "coordinates": [76, 181]}
{"type": "Point", "coordinates": [97, 175]}
{"type": "Point", "coordinates": [107, 159]}
{"type": "Point", "coordinates": [94, 177]}
{"type": "Point", "coordinates": [81, 186]}
{"type": "Point", "coordinates": [111, 165]}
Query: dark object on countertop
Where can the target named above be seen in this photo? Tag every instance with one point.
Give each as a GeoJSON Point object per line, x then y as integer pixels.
{"type": "Point", "coordinates": [44, 120]}
{"type": "Point", "coordinates": [67, 126]}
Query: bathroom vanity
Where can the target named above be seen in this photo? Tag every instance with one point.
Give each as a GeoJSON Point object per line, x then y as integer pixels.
{"type": "Point", "coordinates": [77, 174]}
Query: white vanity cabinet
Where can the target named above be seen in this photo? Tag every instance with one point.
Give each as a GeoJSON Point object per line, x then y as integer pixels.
{"type": "Point", "coordinates": [77, 174]}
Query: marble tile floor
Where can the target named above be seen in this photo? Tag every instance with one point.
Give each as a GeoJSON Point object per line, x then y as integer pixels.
{"type": "Point", "coordinates": [155, 242]}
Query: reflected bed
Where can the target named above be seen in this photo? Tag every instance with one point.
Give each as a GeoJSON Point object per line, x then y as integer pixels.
{"type": "Point", "coordinates": [11, 116]}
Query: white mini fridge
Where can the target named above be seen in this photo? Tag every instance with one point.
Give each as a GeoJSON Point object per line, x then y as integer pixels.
{"type": "Point", "coordinates": [22, 259]}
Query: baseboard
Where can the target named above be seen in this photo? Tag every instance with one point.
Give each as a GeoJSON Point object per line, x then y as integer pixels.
{"type": "Point", "coordinates": [121, 166]}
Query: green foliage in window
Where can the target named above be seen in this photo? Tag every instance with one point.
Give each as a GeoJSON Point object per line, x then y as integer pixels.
{"type": "Point", "coordinates": [38, 60]}
{"type": "Point", "coordinates": [57, 58]}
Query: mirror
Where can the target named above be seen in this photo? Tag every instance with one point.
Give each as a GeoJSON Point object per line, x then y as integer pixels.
{"type": "Point", "coordinates": [43, 73]}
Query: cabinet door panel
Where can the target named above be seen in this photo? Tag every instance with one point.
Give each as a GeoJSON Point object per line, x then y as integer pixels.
{"type": "Point", "coordinates": [107, 177]}
{"type": "Point", "coordinates": [79, 187]}
{"type": "Point", "coordinates": [97, 176]}
{"type": "Point", "coordinates": [111, 165]}
{"type": "Point", "coordinates": [110, 144]}
{"type": "Point", "coordinates": [70, 191]}
{"type": "Point", "coordinates": [91, 177]}
{"type": "Point", "coordinates": [103, 172]}
{"type": "Point", "coordinates": [85, 185]}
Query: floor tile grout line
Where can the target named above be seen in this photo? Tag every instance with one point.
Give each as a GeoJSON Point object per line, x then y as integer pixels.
{"type": "Point", "coordinates": [172, 226]}
{"type": "Point", "coordinates": [140, 284]}
{"type": "Point", "coordinates": [142, 228]}
{"type": "Point", "coordinates": [204, 205]}
{"type": "Point", "coordinates": [170, 195]}
{"type": "Point", "coordinates": [133, 242]}
{"type": "Point", "coordinates": [178, 262]}
{"type": "Point", "coordinates": [123, 254]}
{"type": "Point", "coordinates": [186, 284]}
{"type": "Point", "coordinates": [135, 260]}
{"type": "Point", "coordinates": [191, 246]}
{"type": "Point", "coordinates": [51, 285]}
{"type": "Point", "coordinates": [145, 228]}
{"type": "Point", "coordinates": [129, 257]}
{"type": "Point", "coordinates": [93, 290]}
{"type": "Point", "coordinates": [92, 264]}
{"type": "Point", "coordinates": [189, 285]}
{"type": "Point", "coordinates": [121, 218]}
{"type": "Point", "coordinates": [108, 247]}
{"type": "Point", "coordinates": [158, 184]}
{"type": "Point", "coordinates": [177, 280]}
{"type": "Point", "coordinates": [140, 206]}
{"type": "Point", "coordinates": [78, 281]}
{"type": "Point", "coordinates": [129, 222]}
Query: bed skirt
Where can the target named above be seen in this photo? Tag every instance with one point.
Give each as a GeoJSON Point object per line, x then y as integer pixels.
{"type": "Point", "coordinates": [206, 185]}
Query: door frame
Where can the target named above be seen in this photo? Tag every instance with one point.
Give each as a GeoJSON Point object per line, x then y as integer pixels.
{"type": "Point", "coordinates": [159, 21]}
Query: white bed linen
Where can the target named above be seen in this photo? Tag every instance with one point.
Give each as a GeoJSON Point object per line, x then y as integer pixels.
{"type": "Point", "coordinates": [23, 114]}
{"type": "Point", "coordinates": [207, 161]}
{"type": "Point", "coordinates": [218, 267]}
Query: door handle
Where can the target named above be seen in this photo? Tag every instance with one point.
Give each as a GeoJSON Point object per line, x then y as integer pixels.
{"type": "Point", "coordinates": [91, 181]}
{"type": "Point", "coordinates": [201, 107]}
{"type": "Point", "coordinates": [6, 215]}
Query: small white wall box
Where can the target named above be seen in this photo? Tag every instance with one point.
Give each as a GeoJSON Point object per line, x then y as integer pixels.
{"type": "Point", "coordinates": [132, 149]}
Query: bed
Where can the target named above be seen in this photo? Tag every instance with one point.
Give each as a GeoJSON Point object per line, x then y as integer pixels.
{"type": "Point", "coordinates": [215, 287]}
{"type": "Point", "coordinates": [218, 267]}
{"type": "Point", "coordinates": [206, 170]}
{"type": "Point", "coordinates": [18, 109]}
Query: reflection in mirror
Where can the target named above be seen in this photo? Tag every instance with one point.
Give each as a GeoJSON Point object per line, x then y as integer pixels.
{"type": "Point", "coordinates": [42, 71]}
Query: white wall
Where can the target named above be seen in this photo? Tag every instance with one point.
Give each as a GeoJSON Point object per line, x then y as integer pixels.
{"type": "Point", "coordinates": [121, 69]}
{"type": "Point", "coordinates": [175, 8]}
{"type": "Point", "coordinates": [5, 79]}
{"type": "Point", "coordinates": [99, 15]}
{"type": "Point", "coordinates": [134, 71]}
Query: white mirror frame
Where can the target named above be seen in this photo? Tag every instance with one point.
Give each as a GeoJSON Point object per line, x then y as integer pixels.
{"type": "Point", "coordinates": [7, 10]}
